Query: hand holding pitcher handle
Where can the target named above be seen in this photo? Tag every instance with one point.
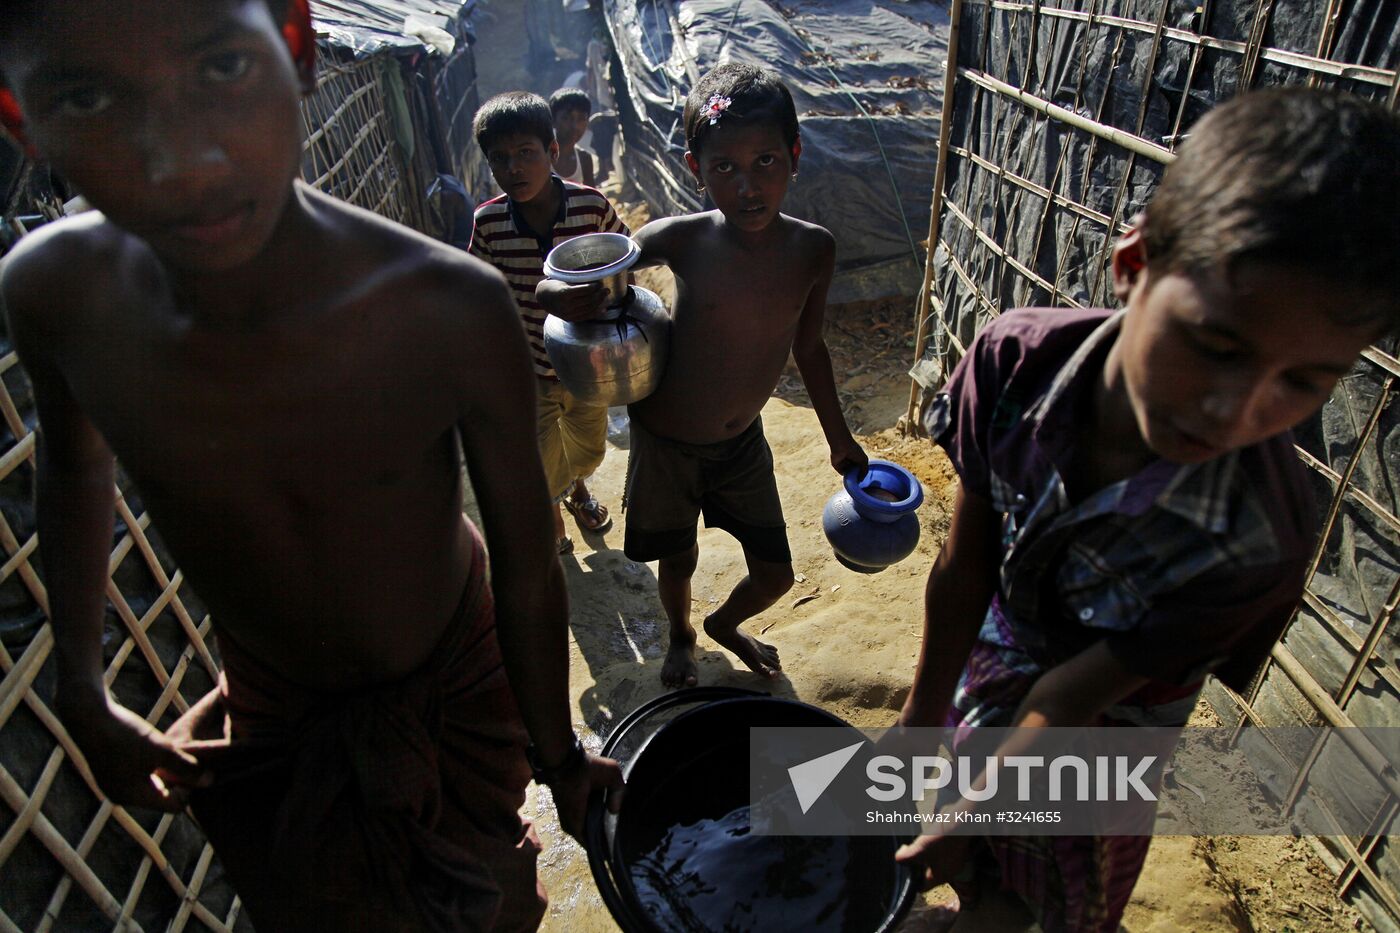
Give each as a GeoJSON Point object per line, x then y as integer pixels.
{"type": "Point", "coordinates": [584, 302]}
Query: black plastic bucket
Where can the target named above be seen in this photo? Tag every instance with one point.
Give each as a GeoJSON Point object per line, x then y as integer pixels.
{"type": "Point", "coordinates": [694, 768]}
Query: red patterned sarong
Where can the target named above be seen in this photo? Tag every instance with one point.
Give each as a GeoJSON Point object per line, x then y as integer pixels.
{"type": "Point", "coordinates": [390, 808]}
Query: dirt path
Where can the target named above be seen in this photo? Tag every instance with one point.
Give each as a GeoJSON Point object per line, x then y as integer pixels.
{"type": "Point", "coordinates": [852, 648]}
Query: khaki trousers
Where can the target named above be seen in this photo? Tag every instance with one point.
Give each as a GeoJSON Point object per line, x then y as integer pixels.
{"type": "Point", "coordinates": [572, 436]}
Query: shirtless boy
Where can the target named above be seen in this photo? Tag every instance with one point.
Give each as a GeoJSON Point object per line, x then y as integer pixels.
{"type": "Point", "coordinates": [571, 109]}
{"type": "Point", "coordinates": [287, 379]}
{"type": "Point", "coordinates": [751, 287]}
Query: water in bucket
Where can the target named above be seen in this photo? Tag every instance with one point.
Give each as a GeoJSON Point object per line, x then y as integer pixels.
{"type": "Point", "coordinates": [718, 875]}
{"type": "Point", "coordinates": [681, 854]}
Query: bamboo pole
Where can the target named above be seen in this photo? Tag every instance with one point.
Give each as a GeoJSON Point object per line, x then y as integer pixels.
{"type": "Point", "coordinates": [1359, 496]}
{"type": "Point", "coordinates": [1363, 74]}
{"type": "Point", "coordinates": [1343, 632]}
{"type": "Point", "coordinates": [1360, 663]}
{"type": "Point", "coordinates": [940, 174]}
{"type": "Point", "coordinates": [18, 678]}
{"type": "Point", "coordinates": [1327, 36]}
{"type": "Point", "coordinates": [27, 574]}
{"type": "Point", "coordinates": [1379, 628]}
{"type": "Point", "coordinates": [1250, 68]}
{"type": "Point", "coordinates": [1347, 875]}
{"type": "Point", "coordinates": [1344, 481]}
{"type": "Point", "coordinates": [1346, 730]}
{"type": "Point", "coordinates": [997, 250]}
{"type": "Point", "coordinates": [65, 884]}
{"type": "Point", "coordinates": [58, 847]}
{"type": "Point", "coordinates": [24, 818]}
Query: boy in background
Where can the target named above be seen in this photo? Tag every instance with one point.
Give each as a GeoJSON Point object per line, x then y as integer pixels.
{"type": "Point", "coordinates": [751, 287]}
{"type": "Point", "coordinates": [598, 83]}
{"type": "Point", "coordinates": [571, 108]}
{"type": "Point", "coordinates": [1132, 514]}
{"type": "Point", "coordinates": [515, 232]}
{"type": "Point", "coordinates": [292, 383]}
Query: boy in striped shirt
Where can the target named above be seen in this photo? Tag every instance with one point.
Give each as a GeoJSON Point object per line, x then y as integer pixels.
{"type": "Point", "coordinates": [514, 233]}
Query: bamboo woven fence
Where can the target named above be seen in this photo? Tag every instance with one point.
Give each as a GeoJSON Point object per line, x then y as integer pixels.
{"type": "Point", "coordinates": [69, 859]}
{"type": "Point", "coordinates": [350, 150]}
{"type": "Point", "coordinates": [1058, 120]}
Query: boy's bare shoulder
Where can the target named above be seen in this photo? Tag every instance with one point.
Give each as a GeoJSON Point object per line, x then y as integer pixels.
{"type": "Point", "coordinates": [423, 274]}
{"type": "Point", "coordinates": [444, 312]}
{"type": "Point", "coordinates": [665, 235]}
{"type": "Point", "coordinates": [393, 246]}
{"type": "Point", "coordinates": [54, 271]}
{"type": "Point", "coordinates": [664, 225]}
{"type": "Point", "coordinates": [811, 238]}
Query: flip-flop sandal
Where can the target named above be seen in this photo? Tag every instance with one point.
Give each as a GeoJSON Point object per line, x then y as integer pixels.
{"type": "Point", "coordinates": [586, 513]}
{"type": "Point", "coordinates": [566, 545]}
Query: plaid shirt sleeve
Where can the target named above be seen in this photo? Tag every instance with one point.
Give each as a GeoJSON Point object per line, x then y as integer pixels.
{"type": "Point", "coordinates": [957, 419]}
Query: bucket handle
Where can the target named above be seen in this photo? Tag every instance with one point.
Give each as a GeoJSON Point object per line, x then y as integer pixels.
{"type": "Point", "coordinates": [595, 841]}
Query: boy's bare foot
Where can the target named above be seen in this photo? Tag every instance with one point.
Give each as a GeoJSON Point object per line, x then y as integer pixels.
{"type": "Point", "coordinates": [679, 668]}
{"type": "Point", "coordinates": [761, 657]}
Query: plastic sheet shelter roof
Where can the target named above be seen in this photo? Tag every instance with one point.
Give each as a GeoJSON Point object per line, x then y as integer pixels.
{"type": "Point", "coordinates": [365, 27]}
{"type": "Point", "coordinates": [866, 76]}
{"type": "Point", "coordinates": [420, 55]}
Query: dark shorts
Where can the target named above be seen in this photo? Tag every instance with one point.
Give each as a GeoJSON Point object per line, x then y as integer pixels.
{"type": "Point", "coordinates": [671, 483]}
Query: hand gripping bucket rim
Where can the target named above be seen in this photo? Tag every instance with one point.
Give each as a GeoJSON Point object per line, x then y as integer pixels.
{"type": "Point", "coordinates": [605, 858]}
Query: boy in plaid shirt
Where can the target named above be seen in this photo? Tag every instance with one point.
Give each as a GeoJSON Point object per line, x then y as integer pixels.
{"type": "Point", "coordinates": [1132, 515]}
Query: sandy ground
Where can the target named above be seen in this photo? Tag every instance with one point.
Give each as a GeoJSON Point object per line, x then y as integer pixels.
{"type": "Point", "coordinates": [851, 648]}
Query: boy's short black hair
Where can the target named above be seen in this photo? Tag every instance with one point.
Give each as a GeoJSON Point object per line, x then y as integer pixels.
{"type": "Point", "coordinates": [510, 113]}
{"type": "Point", "coordinates": [570, 98]}
{"type": "Point", "coordinates": [1297, 177]}
{"type": "Point", "coordinates": [756, 97]}
{"type": "Point", "coordinates": [16, 10]}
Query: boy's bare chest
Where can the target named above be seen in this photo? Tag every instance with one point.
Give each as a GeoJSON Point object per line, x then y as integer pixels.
{"type": "Point", "coordinates": [191, 415]}
{"type": "Point", "coordinates": [744, 296]}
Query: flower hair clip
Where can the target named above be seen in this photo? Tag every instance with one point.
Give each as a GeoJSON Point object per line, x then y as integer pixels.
{"type": "Point", "coordinates": [716, 108]}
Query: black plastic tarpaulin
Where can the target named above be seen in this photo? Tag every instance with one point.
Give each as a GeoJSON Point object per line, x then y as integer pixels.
{"type": "Point", "coordinates": [428, 86]}
{"type": "Point", "coordinates": [866, 76]}
{"type": "Point", "coordinates": [365, 27]}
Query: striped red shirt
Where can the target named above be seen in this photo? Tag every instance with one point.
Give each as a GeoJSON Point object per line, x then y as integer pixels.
{"type": "Point", "coordinates": [505, 240]}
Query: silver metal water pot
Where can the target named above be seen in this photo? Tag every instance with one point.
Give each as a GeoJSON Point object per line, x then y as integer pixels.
{"type": "Point", "coordinates": [618, 358]}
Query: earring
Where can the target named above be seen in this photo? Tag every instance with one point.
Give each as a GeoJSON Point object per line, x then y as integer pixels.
{"type": "Point", "coordinates": [794, 178]}
{"type": "Point", "coordinates": [699, 189]}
